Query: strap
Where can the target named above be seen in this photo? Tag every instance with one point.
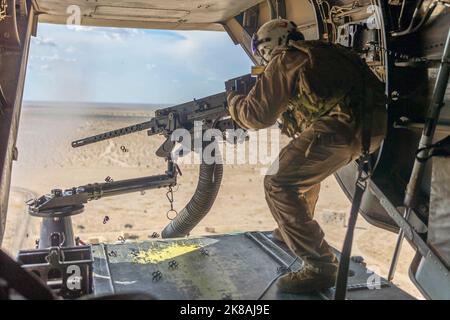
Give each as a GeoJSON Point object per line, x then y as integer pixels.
{"type": "Point", "coordinates": [364, 172]}
{"type": "Point", "coordinates": [366, 130]}
{"type": "Point", "coordinates": [344, 262]}
{"type": "Point", "coordinates": [440, 148]}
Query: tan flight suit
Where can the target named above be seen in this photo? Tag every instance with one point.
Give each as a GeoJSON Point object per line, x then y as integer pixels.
{"type": "Point", "coordinates": [317, 91]}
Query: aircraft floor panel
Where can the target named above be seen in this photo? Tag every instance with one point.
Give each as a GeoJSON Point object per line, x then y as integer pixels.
{"type": "Point", "coordinates": [220, 267]}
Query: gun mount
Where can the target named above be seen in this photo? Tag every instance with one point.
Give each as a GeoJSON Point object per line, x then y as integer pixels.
{"type": "Point", "coordinates": [59, 259]}
{"type": "Point", "coordinates": [57, 208]}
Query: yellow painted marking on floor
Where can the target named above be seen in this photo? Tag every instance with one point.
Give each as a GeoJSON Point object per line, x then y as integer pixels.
{"type": "Point", "coordinates": [155, 255]}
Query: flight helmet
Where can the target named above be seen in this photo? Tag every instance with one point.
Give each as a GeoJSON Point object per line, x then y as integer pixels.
{"type": "Point", "coordinates": [272, 35]}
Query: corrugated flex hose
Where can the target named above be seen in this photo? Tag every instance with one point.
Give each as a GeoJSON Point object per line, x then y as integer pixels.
{"type": "Point", "coordinates": [209, 180]}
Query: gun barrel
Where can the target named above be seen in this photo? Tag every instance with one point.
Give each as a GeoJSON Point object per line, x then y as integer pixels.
{"type": "Point", "coordinates": [76, 197]}
{"type": "Point", "coordinates": [112, 134]}
{"type": "Point", "coordinates": [102, 190]}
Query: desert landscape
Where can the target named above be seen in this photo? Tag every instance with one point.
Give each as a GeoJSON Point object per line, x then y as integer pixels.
{"type": "Point", "coordinates": [47, 161]}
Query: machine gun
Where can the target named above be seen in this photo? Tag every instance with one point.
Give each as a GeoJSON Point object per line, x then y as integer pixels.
{"type": "Point", "coordinates": [211, 111]}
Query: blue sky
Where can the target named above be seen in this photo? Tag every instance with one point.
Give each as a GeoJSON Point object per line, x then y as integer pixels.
{"type": "Point", "coordinates": [129, 65]}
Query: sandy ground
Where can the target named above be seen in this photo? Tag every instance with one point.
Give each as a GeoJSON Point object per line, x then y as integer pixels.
{"type": "Point", "coordinates": [47, 161]}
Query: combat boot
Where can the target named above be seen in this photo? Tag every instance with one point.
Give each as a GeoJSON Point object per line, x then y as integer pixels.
{"type": "Point", "coordinates": [307, 279]}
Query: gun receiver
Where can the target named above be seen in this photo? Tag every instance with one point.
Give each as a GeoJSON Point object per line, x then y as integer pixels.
{"type": "Point", "coordinates": [211, 111]}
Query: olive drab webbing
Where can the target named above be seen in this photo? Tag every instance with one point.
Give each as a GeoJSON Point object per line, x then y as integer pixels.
{"type": "Point", "coordinates": [327, 83]}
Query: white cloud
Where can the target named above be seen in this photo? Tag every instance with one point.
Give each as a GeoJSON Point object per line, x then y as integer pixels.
{"type": "Point", "coordinates": [43, 41]}
{"type": "Point", "coordinates": [79, 28]}
{"type": "Point", "coordinates": [55, 58]}
{"type": "Point", "coordinates": [44, 67]}
{"type": "Point", "coordinates": [114, 36]}
{"type": "Point", "coordinates": [71, 49]}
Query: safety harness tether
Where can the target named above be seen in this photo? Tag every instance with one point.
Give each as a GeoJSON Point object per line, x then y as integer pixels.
{"type": "Point", "coordinates": [364, 173]}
